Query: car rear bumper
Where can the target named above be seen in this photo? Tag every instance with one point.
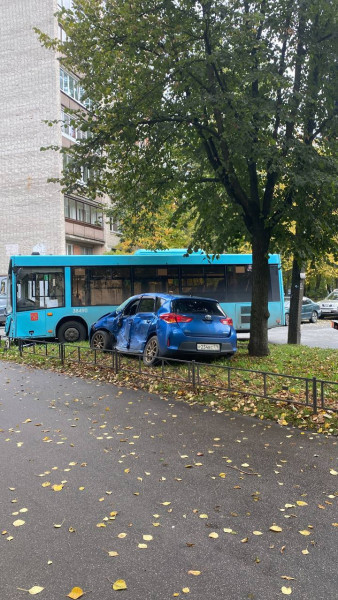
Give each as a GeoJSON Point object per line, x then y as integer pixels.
{"type": "Point", "coordinates": [191, 347]}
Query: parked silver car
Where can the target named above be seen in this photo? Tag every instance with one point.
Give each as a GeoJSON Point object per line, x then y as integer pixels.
{"type": "Point", "coordinates": [329, 306]}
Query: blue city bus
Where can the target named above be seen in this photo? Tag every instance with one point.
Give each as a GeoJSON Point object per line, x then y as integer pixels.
{"type": "Point", "coordinates": [61, 296]}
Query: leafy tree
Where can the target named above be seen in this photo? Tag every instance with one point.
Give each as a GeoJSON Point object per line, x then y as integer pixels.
{"type": "Point", "coordinates": [221, 103]}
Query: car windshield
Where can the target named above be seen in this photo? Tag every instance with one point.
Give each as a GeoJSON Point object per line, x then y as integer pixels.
{"type": "Point", "coordinates": [196, 305]}
{"type": "Point", "coordinates": [332, 296]}
{"type": "Point", "coordinates": [122, 306]}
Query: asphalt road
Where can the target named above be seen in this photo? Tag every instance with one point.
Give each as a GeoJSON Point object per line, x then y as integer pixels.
{"type": "Point", "coordinates": [315, 335]}
{"type": "Point", "coordinates": [175, 472]}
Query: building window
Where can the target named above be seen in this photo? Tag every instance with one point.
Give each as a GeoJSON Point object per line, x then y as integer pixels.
{"type": "Point", "coordinates": [114, 225]}
{"type": "Point", "coordinates": [63, 37]}
{"type": "Point", "coordinates": [69, 130]}
{"type": "Point", "coordinates": [70, 85]}
{"type": "Point", "coordinates": [69, 249]}
{"type": "Point", "coordinates": [85, 250]}
{"type": "Point", "coordinates": [81, 211]}
{"type": "Point", "coordinates": [68, 4]}
{"type": "Point", "coordinates": [83, 173]}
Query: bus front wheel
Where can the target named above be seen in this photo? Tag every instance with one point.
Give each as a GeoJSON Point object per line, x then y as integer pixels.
{"type": "Point", "coordinates": [71, 331]}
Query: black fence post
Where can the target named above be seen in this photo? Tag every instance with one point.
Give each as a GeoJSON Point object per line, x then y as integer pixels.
{"type": "Point", "coordinates": [314, 395]}
{"type": "Point", "coordinates": [193, 375]}
{"type": "Point", "coordinates": [61, 354]}
{"type": "Point", "coordinates": [20, 348]}
{"type": "Point", "coordinates": [116, 362]}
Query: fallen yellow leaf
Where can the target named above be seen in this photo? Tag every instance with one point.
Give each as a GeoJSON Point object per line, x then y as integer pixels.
{"type": "Point", "coordinates": [113, 553]}
{"type": "Point", "coordinates": [287, 577]}
{"type": "Point", "coordinates": [147, 538]}
{"type": "Point", "coordinates": [213, 535]}
{"type": "Point", "coordinates": [305, 551]}
{"type": "Point", "coordinates": [228, 530]}
{"type": "Point", "coordinates": [57, 488]}
{"type": "Point", "coordinates": [119, 584]}
{"type": "Point", "coordinates": [301, 503]}
{"type": "Point", "coordinates": [100, 525]}
{"type": "Point", "coordinates": [122, 535]}
{"type": "Point", "coordinates": [223, 475]}
{"type": "Point", "coordinates": [203, 516]}
{"type": "Point", "coordinates": [18, 523]}
{"type": "Point", "coordinates": [194, 572]}
{"type": "Point", "coordinates": [333, 472]}
{"type": "Point", "coordinates": [36, 589]}
{"type": "Point", "coordinates": [257, 533]}
{"type": "Point", "coordinates": [75, 593]}
{"type": "Point", "coordinates": [305, 532]}
{"type": "Point", "coordinates": [275, 528]}
{"type": "Point", "coordinates": [286, 590]}
{"type": "Point", "coordinates": [185, 590]}
{"type": "Point", "coordinates": [143, 546]}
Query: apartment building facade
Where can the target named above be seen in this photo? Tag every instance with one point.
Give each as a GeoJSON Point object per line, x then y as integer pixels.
{"type": "Point", "coordinates": [34, 214]}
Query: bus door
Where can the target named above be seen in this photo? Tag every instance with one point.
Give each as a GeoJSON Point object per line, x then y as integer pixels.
{"type": "Point", "coordinates": [39, 298]}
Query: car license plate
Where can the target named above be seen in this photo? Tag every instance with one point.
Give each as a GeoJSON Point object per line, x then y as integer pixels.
{"type": "Point", "coordinates": [215, 347]}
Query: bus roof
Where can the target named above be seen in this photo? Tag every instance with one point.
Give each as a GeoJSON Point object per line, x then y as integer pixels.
{"type": "Point", "coordinates": [141, 257]}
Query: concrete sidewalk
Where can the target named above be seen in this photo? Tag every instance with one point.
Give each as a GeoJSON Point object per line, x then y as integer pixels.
{"type": "Point", "coordinates": [205, 486]}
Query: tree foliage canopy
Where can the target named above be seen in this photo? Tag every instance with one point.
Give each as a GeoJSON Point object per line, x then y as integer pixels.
{"type": "Point", "coordinates": [225, 107]}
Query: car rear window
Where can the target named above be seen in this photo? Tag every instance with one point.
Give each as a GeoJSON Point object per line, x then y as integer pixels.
{"type": "Point", "coordinates": [196, 305]}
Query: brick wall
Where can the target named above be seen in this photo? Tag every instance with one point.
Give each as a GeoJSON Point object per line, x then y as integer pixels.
{"type": "Point", "coordinates": [31, 210]}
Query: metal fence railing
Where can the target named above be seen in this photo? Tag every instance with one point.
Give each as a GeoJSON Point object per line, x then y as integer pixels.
{"type": "Point", "coordinates": [276, 387]}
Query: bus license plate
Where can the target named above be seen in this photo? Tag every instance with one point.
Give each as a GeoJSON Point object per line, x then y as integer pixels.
{"type": "Point", "coordinates": [215, 347]}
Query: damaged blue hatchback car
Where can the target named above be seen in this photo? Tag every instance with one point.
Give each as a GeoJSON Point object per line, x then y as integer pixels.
{"type": "Point", "coordinates": [164, 325]}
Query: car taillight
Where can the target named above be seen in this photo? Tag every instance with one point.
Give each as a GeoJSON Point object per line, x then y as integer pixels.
{"type": "Point", "coordinates": [227, 321]}
{"type": "Point", "coordinates": [174, 318]}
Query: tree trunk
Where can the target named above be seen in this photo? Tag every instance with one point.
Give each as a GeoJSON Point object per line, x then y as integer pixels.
{"type": "Point", "coordinates": [297, 290]}
{"type": "Point", "coordinates": [258, 344]}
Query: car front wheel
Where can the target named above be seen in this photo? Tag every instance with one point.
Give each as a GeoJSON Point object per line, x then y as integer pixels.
{"type": "Point", "coordinates": [101, 340]}
{"type": "Point", "coordinates": [314, 317]}
{"type": "Point", "coordinates": [151, 351]}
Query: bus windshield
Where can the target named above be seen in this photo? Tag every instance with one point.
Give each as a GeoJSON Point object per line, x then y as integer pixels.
{"type": "Point", "coordinates": [39, 288]}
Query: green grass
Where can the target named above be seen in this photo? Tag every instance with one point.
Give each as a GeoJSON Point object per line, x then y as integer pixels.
{"type": "Point", "coordinates": [292, 361]}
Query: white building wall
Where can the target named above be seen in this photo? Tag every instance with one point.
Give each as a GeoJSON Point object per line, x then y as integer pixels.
{"type": "Point", "coordinates": [31, 210]}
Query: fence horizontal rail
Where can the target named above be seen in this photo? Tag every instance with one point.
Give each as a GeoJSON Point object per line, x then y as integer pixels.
{"type": "Point", "coordinates": [276, 387]}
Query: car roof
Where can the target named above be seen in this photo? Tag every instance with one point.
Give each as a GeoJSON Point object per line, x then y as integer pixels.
{"type": "Point", "coordinates": [173, 296]}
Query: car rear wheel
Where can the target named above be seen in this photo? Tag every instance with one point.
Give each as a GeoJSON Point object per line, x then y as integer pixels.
{"type": "Point", "coordinates": [314, 317]}
{"type": "Point", "coordinates": [71, 331]}
{"type": "Point", "coordinates": [101, 340]}
{"type": "Point", "coordinates": [151, 351]}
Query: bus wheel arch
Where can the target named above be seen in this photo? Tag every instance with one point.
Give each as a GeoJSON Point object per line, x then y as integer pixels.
{"type": "Point", "coordinates": [71, 330]}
